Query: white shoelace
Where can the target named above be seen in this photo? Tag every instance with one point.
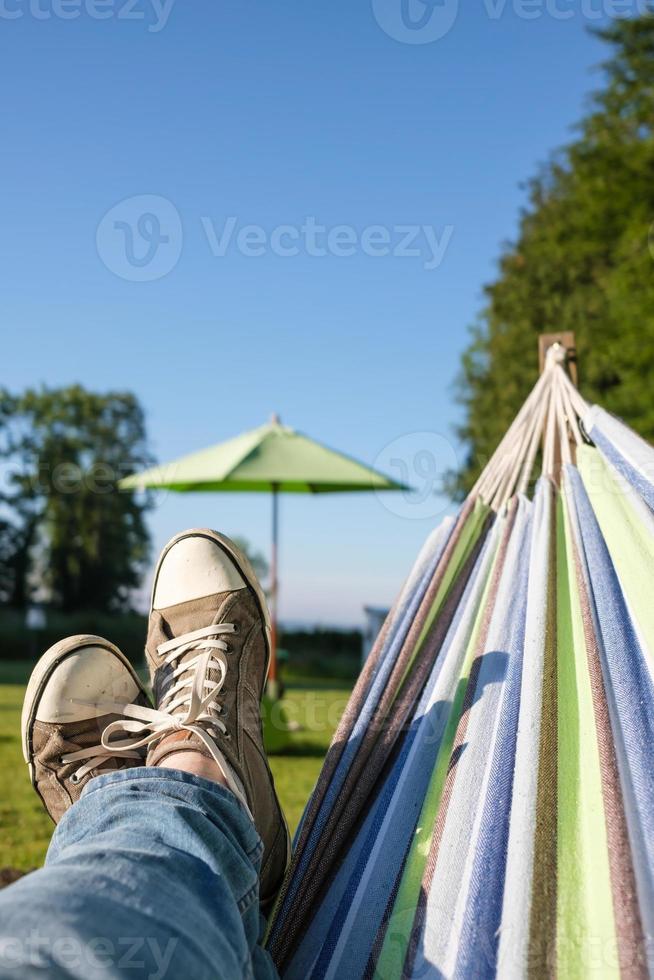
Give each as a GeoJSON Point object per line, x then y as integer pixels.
{"type": "Point", "coordinates": [95, 754]}
{"type": "Point", "coordinates": [189, 704]}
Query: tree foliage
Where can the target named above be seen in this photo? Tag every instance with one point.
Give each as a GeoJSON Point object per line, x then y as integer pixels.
{"type": "Point", "coordinates": [258, 561]}
{"type": "Point", "coordinates": [68, 536]}
{"type": "Point", "coordinates": [583, 261]}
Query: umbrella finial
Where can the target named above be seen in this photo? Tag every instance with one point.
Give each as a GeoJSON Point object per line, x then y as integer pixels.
{"type": "Point", "coordinates": [275, 419]}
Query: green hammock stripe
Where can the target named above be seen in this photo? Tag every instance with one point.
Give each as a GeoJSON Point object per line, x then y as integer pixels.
{"type": "Point", "coordinates": [629, 541]}
{"type": "Point", "coordinates": [584, 909]}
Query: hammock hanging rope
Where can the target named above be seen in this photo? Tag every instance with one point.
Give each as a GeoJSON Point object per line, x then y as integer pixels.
{"type": "Point", "coordinates": [486, 807]}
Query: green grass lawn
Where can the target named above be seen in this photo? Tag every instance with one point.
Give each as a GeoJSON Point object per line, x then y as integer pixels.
{"type": "Point", "coordinates": [25, 829]}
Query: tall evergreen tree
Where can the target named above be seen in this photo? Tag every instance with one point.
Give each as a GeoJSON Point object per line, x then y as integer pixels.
{"type": "Point", "coordinates": [583, 261]}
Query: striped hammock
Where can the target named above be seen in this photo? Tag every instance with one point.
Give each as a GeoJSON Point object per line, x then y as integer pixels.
{"type": "Point", "coordinates": [487, 805]}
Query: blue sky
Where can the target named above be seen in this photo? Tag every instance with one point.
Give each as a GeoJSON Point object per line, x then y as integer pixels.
{"type": "Point", "coordinates": [269, 115]}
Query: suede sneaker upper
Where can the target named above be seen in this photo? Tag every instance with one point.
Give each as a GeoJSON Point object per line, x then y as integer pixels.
{"type": "Point", "coordinates": [78, 688]}
{"type": "Point", "coordinates": [208, 649]}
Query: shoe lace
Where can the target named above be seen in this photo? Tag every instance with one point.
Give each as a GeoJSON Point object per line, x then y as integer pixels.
{"type": "Point", "coordinates": [93, 756]}
{"type": "Point", "coordinates": [190, 702]}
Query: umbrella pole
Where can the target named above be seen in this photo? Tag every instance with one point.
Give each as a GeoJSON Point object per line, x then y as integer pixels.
{"type": "Point", "coordinates": [273, 688]}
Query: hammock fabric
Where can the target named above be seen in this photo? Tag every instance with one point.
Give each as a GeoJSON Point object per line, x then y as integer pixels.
{"type": "Point", "coordinates": [487, 805]}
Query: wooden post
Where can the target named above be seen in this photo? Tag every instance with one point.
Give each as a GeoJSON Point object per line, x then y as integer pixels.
{"type": "Point", "coordinates": [567, 340]}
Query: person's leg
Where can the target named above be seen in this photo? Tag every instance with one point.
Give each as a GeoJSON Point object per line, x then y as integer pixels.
{"type": "Point", "coordinates": [153, 873]}
{"type": "Point", "coordinates": [208, 649]}
{"type": "Point", "coordinates": [163, 858]}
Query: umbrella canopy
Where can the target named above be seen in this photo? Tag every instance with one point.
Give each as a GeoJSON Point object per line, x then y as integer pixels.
{"type": "Point", "coordinates": [272, 458]}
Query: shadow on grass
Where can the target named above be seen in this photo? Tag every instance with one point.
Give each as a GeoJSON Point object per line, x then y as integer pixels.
{"type": "Point", "coordinates": [9, 875]}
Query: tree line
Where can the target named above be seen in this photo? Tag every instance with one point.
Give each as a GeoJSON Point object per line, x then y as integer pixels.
{"type": "Point", "coordinates": [583, 260]}
{"type": "Point", "coordinates": [68, 536]}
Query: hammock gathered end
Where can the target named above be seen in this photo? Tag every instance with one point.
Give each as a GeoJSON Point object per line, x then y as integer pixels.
{"type": "Point", "coordinates": [486, 808]}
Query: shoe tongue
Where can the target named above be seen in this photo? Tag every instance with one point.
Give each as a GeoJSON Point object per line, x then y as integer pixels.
{"type": "Point", "coordinates": [185, 618]}
{"type": "Point", "coordinates": [189, 616]}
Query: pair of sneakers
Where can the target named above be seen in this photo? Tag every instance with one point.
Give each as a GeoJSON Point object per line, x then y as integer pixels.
{"type": "Point", "coordinates": [208, 650]}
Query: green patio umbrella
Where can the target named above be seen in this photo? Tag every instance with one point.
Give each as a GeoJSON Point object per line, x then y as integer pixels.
{"type": "Point", "coordinates": [272, 459]}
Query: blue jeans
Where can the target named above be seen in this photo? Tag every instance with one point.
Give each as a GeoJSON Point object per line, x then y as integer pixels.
{"type": "Point", "coordinates": [152, 873]}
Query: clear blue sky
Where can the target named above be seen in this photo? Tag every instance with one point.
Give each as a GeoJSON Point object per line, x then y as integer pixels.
{"type": "Point", "coordinates": [269, 114]}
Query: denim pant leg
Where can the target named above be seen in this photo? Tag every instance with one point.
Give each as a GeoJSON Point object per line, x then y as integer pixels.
{"type": "Point", "coordinates": [152, 873]}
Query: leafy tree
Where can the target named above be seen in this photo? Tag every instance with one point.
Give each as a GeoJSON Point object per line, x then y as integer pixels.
{"type": "Point", "coordinates": [19, 521]}
{"type": "Point", "coordinates": [70, 535]}
{"type": "Point", "coordinates": [583, 261]}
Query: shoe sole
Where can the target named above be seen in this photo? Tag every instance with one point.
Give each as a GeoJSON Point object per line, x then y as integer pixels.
{"type": "Point", "coordinates": [244, 566]}
{"type": "Point", "coordinates": [42, 673]}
